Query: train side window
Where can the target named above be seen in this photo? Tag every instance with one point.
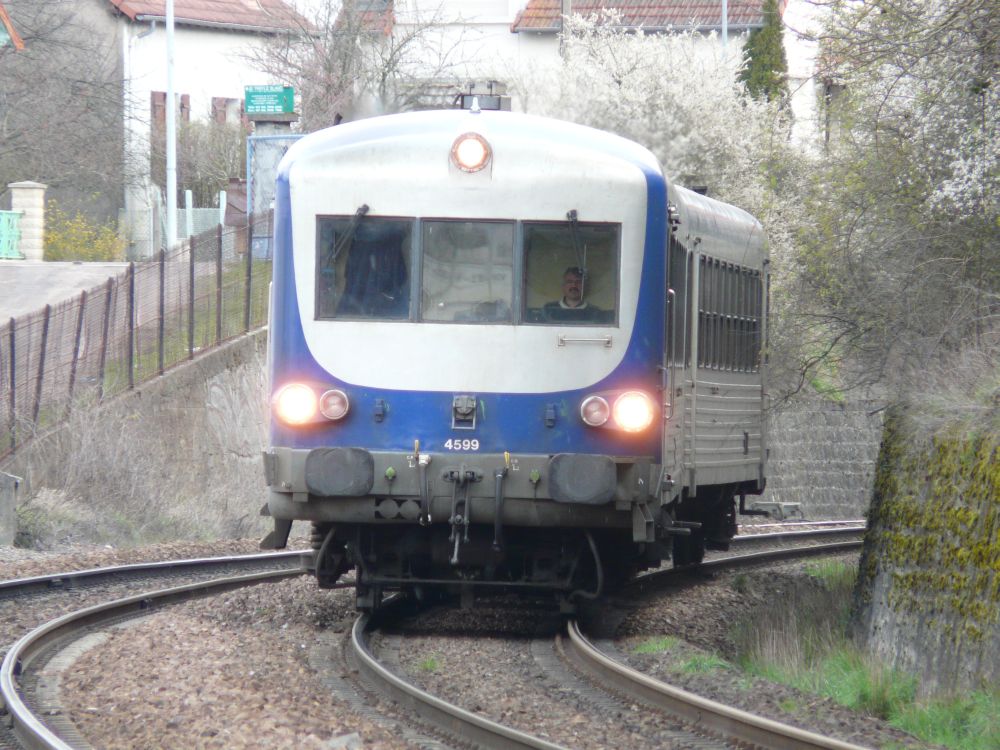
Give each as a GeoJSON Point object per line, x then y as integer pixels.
{"type": "Point", "coordinates": [703, 354]}
{"type": "Point", "coordinates": [363, 268]}
{"type": "Point", "coordinates": [678, 341]}
{"type": "Point", "coordinates": [571, 273]}
{"type": "Point", "coordinates": [468, 271]}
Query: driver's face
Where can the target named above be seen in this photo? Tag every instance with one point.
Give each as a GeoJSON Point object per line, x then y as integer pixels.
{"type": "Point", "coordinates": [572, 289]}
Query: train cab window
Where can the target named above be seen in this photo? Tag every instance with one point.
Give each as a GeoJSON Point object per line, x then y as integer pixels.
{"type": "Point", "coordinates": [570, 273]}
{"type": "Point", "coordinates": [363, 268]}
{"type": "Point", "coordinates": [468, 271]}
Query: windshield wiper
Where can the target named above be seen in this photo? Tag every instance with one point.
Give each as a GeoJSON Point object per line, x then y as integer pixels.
{"type": "Point", "coordinates": [574, 231]}
{"type": "Point", "coordinates": [348, 234]}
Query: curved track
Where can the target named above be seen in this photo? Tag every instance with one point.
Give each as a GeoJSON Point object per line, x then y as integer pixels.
{"type": "Point", "coordinates": [34, 648]}
{"type": "Point", "coordinates": [719, 720]}
{"type": "Point", "coordinates": [453, 720]}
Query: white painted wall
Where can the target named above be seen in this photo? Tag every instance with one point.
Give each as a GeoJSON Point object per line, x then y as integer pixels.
{"type": "Point", "coordinates": [802, 24]}
{"type": "Point", "coordinates": [207, 63]}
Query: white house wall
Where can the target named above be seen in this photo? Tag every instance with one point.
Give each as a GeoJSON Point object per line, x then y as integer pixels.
{"type": "Point", "coordinates": [207, 63]}
{"type": "Point", "coordinates": [802, 21]}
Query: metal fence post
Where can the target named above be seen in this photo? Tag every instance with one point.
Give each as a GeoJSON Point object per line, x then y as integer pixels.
{"type": "Point", "coordinates": [76, 352]}
{"type": "Point", "coordinates": [191, 246]}
{"type": "Point", "coordinates": [13, 386]}
{"type": "Point", "coordinates": [218, 289]}
{"type": "Point", "coordinates": [130, 356]}
{"type": "Point", "coordinates": [40, 380]}
{"type": "Point", "coordinates": [246, 307]}
{"type": "Point", "coordinates": [162, 306]}
{"type": "Point", "coordinates": [104, 340]}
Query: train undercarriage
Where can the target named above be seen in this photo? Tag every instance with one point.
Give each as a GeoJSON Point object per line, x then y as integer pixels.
{"type": "Point", "coordinates": [464, 560]}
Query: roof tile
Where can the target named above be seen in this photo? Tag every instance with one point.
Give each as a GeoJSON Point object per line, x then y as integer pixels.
{"type": "Point", "coordinates": [268, 14]}
{"type": "Point", "coordinates": [654, 15]}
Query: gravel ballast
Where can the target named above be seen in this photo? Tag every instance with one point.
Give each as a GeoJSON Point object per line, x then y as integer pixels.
{"type": "Point", "coordinates": [234, 671]}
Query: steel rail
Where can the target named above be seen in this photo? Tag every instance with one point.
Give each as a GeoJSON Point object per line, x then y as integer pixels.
{"type": "Point", "coordinates": [90, 576]}
{"type": "Point", "coordinates": [799, 534]}
{"type": "Point", "coordinates": [28, 728]}
{"type": "Point", "coordinates": [455, 721]}
{"type": "Point", "coordinates": [854, 521]}
{"type": "Point", "coordinates": [731, 722]}
{"type": "Point", "coordinates": [775, 555]}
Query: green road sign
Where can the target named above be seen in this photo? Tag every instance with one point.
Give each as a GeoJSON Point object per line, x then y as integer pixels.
{"type": "Point", "coordinates": [269, 100]}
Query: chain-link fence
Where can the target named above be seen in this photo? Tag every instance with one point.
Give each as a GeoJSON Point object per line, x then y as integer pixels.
{"type": "Point", "coordinates": [154, 315]}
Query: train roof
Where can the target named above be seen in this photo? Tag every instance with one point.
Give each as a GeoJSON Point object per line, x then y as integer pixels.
{"type": "Point", "coordinates": [448, 121]}
{"type": "Point", "coordinates": [718, 229]}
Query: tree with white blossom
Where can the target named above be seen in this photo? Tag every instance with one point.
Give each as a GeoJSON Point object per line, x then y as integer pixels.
{"type": "Point", "coordinates": [680, 96]}
{"type": "Point", "coordinates": [902, 264]}
{"type": "Point", "coordinates": [676, 94]}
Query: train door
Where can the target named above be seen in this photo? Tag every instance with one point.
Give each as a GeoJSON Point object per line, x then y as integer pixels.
{"type": "Point", "coordinates": [675, 359]}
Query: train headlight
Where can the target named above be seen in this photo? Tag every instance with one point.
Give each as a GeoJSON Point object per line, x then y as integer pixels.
{"type": "Point", "coordinates": [634, 411]}
{"type": "Point", "coordinates": [595, 411]}
{"type": "Point", "coordinates": [296, 404]}
{"type": "Point", "coordinates": [334, 404]}
{"type": "Point", "coordinates": [470, 152]}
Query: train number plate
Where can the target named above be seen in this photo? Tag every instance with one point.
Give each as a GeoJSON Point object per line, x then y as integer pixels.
{"type": "Point", "coordinates": [461, 445]}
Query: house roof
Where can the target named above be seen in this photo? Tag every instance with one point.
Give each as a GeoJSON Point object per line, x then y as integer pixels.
{"type": "Point", "coordinates": [652, 15]}
{"type": "Point", "coordinates": [8, 34]}
{"type": "Point", "coordinates": [257, 15]}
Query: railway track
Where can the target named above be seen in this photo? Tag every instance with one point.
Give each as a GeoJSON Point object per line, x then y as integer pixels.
{"type": "Point", "coordinates": [38, 647]}
{"type": "Point", "coordinates": [25, 658]}
{"type": "Point", "coordinates": [733, 727]}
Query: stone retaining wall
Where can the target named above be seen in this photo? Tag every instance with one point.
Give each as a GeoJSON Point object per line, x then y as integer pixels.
{"type": "Point", "coordinates": [179, 455]}
{"type": "Point", "coordinates": [822, 455]}
{"type": "Point", "coordinates": [928, 595]}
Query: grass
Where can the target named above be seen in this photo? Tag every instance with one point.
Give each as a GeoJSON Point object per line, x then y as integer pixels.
{"type": "Point", "coordinates": [968, 723]}
{"type": "Point", "coordinates": [657, 645]}
{"type": "Point", "coordinates": [430, 664]}
{"type": "Point", "coordinates": [207, 323]}
{"type": "Point", "coordinates": [834, 575]}
{"type": "Point", "coordinates": [703, 663]}
{"type": "Point", "coordinates": [802, 641]}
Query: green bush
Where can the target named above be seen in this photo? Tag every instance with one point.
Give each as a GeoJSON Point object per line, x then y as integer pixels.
{"type": "Point", "coordinates": [78, 238]}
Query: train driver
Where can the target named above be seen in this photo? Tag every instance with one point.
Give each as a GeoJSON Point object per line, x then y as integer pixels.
{"type": "Point", "coordinates": [573, 305]}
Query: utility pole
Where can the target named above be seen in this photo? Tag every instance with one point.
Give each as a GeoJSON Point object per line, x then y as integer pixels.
{"type": "Point", "coordinates": [171, 133]}
{"type": "Point", "coordinates": [725, 24]}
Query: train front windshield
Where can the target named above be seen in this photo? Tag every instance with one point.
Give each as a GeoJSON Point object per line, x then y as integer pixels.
{"type": "Point", "coordinates": [467, 271]}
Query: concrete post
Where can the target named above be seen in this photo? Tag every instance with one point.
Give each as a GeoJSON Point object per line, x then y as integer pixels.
{"type": "Point", "coordinates": [8, 508]}
{"type": "Point", "coordinates": [29, 198]}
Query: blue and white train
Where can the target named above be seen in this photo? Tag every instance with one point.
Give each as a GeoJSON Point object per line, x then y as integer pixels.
{"type": "Point", "coordinates": [506, 352]}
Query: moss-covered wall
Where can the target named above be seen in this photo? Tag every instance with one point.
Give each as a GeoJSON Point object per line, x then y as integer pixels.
{"type": "Point", "coordinates": [928, 597]}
